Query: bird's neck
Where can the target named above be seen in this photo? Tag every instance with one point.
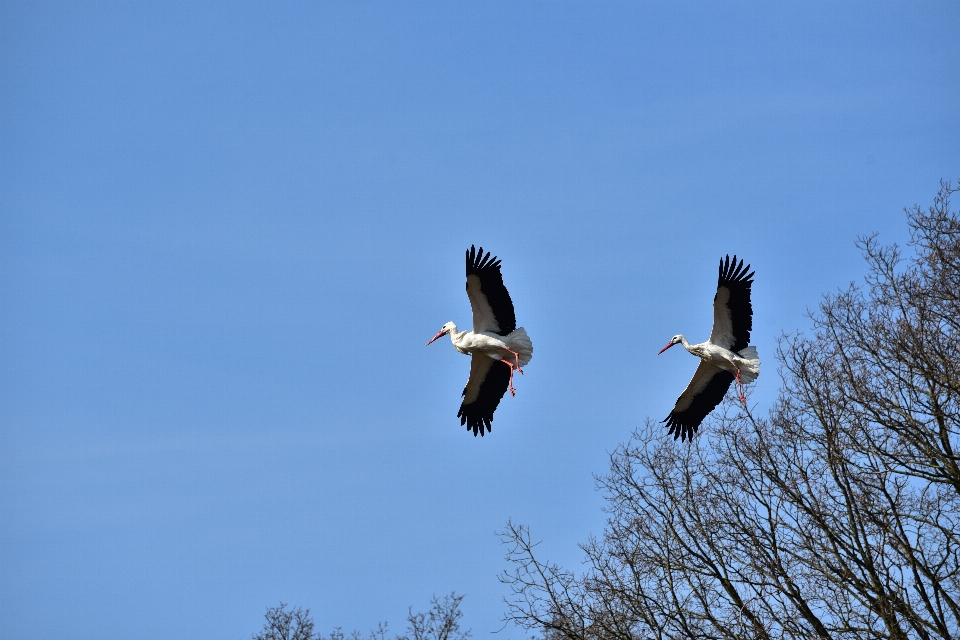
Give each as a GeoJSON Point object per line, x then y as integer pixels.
{"type": "Point", "coordinates": [455, 335]}
{"type": "Point", "coordinates": [686, 345]}
{"type": "Point", "coordinates": [700, 350]}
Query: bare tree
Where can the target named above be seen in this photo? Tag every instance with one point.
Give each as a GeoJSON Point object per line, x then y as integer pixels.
{"type": "Point", "coordinates": [837, 516]}
{"type": "Point", "coordinates": [441, 622]}
{"type": "Point", "coordinates": [281, 624]}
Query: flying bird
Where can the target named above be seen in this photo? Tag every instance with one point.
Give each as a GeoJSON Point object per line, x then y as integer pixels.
{"type": "Point", "coordinates": [497, 347]}
{"type": "Point", "coordinates": [725, 357]}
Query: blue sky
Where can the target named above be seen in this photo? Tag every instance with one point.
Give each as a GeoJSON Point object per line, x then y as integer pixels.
{"type": "Point", "coordinates": [228, 229]}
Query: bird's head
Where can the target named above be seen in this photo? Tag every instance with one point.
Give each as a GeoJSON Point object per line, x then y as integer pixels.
{"type": "Point", "coordinates": [677, 339]}
{"type": "Point", "coordinates": [444, 330]}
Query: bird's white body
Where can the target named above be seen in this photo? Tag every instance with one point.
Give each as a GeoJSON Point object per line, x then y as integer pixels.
{"type": "Point", "coordinates": [747, 362]}
{"type": "Point", "coordinates": [491, 344]}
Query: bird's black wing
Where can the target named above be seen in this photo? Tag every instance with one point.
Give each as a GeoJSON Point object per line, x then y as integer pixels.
{"type": "Point", "coordinates": [486, 385]}
{"type": "Point", "coordinates": [732, 311]}
{"type": "Point", "coordinates": [491, 303]}
{"type": "Point", "coordinates": [705, 391]}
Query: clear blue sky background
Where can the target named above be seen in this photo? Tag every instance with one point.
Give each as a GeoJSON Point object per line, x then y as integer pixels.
{"type": "Point", "coordinates": [227, 231]}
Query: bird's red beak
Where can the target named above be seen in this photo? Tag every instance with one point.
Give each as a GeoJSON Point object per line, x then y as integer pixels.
{"type": "Point", "coordinates": [669, 344]}
{"type": "Point", "coordinates": [434, 338]}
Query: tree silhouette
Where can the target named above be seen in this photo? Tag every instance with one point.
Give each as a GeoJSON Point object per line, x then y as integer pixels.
{"type": "Point", "coordinates": [440, 622]}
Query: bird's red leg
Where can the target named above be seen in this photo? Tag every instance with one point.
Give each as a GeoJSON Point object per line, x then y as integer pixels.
{"type": "Point", "coordinates": [517, 356]}
{"type": "Point", "coordinates": [743, 398]}
{"type": "Point", "coordinates": [513, 392]}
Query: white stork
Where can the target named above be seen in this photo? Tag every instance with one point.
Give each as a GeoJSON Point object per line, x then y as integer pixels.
{"type": "Point", "coordinates": [725, 357]}
{"type": "Point", "coordinates": [496, 345]}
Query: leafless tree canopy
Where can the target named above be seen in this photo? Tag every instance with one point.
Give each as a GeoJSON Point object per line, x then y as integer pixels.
{"type": "Point", "coordinates": [281, 624]}
{"type": "Point", "coordinates": [837, 516]}
{"type": "Point", "coordinates": [441, 622]}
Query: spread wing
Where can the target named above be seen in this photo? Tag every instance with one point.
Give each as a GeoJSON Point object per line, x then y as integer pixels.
{"type": "Point", "coordinates": [488, 382]}
{"type": "Point", "coordinates": [705, 391]}
{"type": "Point", "coordinates": [491, 303]}
{"type": "Point", "coordinates": [732, 311]}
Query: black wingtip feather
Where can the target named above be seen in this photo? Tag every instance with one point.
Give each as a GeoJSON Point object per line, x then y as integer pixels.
{"type": "Point", "coordinates": [477, 259]}
{"type": "Point", "coordinates": [732, 272]}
